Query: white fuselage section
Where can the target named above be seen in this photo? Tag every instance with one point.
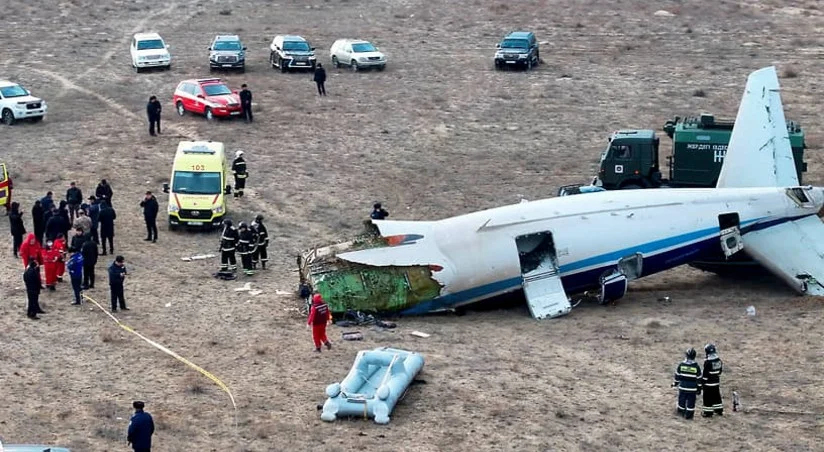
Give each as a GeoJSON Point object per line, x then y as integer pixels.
{"type": "Point", "coordinates": [591, 233]}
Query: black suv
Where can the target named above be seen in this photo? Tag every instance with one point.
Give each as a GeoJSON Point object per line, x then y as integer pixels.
{"type": "Point", "coordinates": [227, 52]}
{"type": "Point", "coordinates": [519, 49]}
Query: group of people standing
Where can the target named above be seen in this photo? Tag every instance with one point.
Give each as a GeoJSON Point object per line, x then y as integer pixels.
{"type": "Point", "coordinates": [51, 246]}
{"type": "Point", "coordinates": [250, 241]}
{"type": "Point", "coordinates": [691, 381]}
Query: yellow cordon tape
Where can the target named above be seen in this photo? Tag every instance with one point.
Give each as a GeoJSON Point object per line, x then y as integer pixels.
{"type": "Point", "coordinates": [162, 348]}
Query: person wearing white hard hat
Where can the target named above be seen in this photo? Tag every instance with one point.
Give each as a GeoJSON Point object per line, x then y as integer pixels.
{"type": "Point", "coordinates": [240, 173]}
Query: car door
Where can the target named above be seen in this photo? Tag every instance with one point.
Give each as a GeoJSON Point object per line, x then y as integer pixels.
{"type": "Point", "coordinates": [346, 58]}
{"type": "Point", "coordinates": [199, 104]}
{"type": "Point", "coordinates": [186, 97]}
{"type": "Point", "coordinates": [133, 50]}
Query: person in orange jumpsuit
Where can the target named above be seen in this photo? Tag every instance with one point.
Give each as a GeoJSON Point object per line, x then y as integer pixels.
{"type": "Point", "coordinates": [319, 317]}
{"type": "Point", "coordinates": [60, 246]}
{"type": "Point", "coordinates": [50, 257]}
{"type": "Point", "coordinates": [30, 250]}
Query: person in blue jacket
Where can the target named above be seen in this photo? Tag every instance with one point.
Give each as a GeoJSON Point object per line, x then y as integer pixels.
{"type": "Point", "coordinates": [75, 266]}
{"type": "Point", "coordinates": [141, 429]}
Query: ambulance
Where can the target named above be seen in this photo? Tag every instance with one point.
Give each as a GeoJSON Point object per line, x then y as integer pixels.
{"type": "Point", "coordinates": [5, 187]}
{"type": "Point", "coordinates": [198, 185]}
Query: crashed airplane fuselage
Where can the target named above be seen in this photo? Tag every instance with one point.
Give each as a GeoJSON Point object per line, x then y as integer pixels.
{"type": "Point", "coordinates": [553, 247]}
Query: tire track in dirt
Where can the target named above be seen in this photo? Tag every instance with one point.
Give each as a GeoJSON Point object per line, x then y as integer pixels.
{"type": "Point", "coordinates": [66, 84]}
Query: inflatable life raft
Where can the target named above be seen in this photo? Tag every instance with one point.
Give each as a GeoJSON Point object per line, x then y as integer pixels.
{"type": "Point", "coordinates": [377, 380]}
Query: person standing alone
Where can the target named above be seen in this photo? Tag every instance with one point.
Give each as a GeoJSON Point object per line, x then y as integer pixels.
{"type": "Point", "coordinates": [141, 429]}
{"type": "Point", "coordinates": [150, 208]}
{"type": "Point", "coordinates": [319, 317]}
{"type": "Point", "coordinates": [153, 109]}
{"type": "Point", "coordinates": [117, 275]}
{"type": "Point", "coordinates": [246, 102]}
{"type": "Point", "coordinates": [240, 173]}
{"type": "Point", "coordinates": [320, 79]}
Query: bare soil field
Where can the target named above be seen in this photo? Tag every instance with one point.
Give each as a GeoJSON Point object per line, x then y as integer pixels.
{"type": "Point", "coordinates": [438, 133]}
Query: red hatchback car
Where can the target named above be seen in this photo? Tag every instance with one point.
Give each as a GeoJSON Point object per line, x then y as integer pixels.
{"type": "Point", "coordinates": [209, 97]}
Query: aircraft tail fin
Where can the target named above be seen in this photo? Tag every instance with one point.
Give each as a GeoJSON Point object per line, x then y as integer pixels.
{"type": "Point", "coordinates": [759, 153]}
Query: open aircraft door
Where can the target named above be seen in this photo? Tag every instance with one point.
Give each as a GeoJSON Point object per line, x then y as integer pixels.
{"type": "Point", "coordinates": [5, 186]}
{"type": "Point", "coordinates": [731, 242]}
{"type": "Point", "coordinates": [543, 290]}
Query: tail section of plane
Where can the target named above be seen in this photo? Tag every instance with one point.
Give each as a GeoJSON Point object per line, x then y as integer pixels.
{"type": "Point", "coordinates": [759, 153]}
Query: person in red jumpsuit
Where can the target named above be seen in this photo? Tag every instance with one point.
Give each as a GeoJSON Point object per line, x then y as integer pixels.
{"type": "Point", "coordinates": [319, 317]}
{"type": "Point", "coordinates": [60, 246]}
{"type": "Point", "coordinates": [50, 257]}
{"type": "Point", "coordinates": [30, 250]}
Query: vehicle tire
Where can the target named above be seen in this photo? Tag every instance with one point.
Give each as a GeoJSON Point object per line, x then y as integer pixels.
{"type": "Point", "coordinates": [242, 69]}
{"type": "Point", "coordinates": [208, 114]}
{"type": "Point", "coordinates": [335, 62]}
{"type": "Point", "coordinates": [631, 187]}
{"type": "Point", "coordinates": [8, 117]}
{"type": "Point", "coordinates": [283, 66]}
{"type": "Point", "coordinates": [36, 119]}
{"type": "Point", "coordinates": [272, 60]}
{"type": "Point", "coordinates": [381, 68]}
{"type": "Point", "coordinates": [172, 227]}
{"type": "Point", "coordinates": [314, 65]}
{"type": "Point", "coordinates": [180, 110]}
{"type": "Point", "coordinates": [136, 70]}
{"type": "Point", "coordinates": [354, 66]}
{"type": "Point", "coordinates": [529, 65]}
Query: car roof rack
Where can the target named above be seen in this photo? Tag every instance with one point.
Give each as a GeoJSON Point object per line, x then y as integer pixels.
{"type": "Point", "coordinates": [204, 80]}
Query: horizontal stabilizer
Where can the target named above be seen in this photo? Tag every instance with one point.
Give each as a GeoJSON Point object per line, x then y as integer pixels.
{"type": "Point", "coordinates": [389, 228]}
{"type": "Point", "coordinates": [759, 153]}
{"type": "Point", "coordinates": [794, 251]}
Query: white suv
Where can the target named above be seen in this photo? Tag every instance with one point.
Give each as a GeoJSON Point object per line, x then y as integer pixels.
{"type": "Point", "coordinates": [17, 103]}
{"type": "Point", "coordinates": [149, 50]}
{"type": "Point", "coordinates": [357, 54]}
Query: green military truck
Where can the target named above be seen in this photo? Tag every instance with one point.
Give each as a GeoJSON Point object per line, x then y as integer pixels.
{"type": "Point", "coordinates": [699, 144]}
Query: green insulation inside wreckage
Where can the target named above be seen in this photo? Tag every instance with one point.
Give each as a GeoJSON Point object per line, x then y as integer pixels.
{"type": "Point", "coordinates": [375, 289]}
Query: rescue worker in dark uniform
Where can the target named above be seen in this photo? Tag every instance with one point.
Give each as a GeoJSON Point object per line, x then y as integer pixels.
{"type": "Point", "coordinates": [688, 381]}
{"type": "Point", "coordinates": [240, 173]}
{"type": "Point", "coordinates": [246, 102]}
{"type": "Point", "coordinates": [90, 252]}
{"type": "Point", "coordinates": [228, 243]}
{"type": "Point", "coordinates": [244, 248]}
{"type": "Point", "coordinates": [712, 383]}
{"type": "Point", "coordinates": [378, 212]}
{"type": "Point", "coordinates": [254, 245]}
{"type": "Point", "coordinates": [141, 429]}
{"type": "Point", "coordinates": [33, 286]}
{"type": "Point", "coordinates": [153, 109]}
{"type": "Point", "coordinates": [262, 254]}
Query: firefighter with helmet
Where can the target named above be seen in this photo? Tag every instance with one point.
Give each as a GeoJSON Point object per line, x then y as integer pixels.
{"type": "Point", "coordinates": [240, 173]}
{"type": "Point", "coordinates": [688, 380]}
{"type": "Point", "coordinates": [228, 243]}
{"type": "Point", "coordinates": [712, 382]}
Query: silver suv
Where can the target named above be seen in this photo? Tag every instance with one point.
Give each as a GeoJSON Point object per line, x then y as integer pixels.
{"type": "Point", "coordinates": [227, 52]}
{"type": "Point", "coordinates": [291, 52]}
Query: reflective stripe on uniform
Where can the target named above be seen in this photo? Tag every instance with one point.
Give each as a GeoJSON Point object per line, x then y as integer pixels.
{"type": "Point", "coordinates": [707, 385]}
{"type": "Point", "coordinates": [688, 389]}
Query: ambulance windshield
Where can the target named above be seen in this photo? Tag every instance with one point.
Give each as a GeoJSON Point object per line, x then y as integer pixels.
{"type": "Point", "coordinates": [196, 183]}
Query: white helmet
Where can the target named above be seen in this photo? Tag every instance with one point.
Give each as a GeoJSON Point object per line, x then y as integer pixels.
{"type": "Point", "coordinates": [238, 154]}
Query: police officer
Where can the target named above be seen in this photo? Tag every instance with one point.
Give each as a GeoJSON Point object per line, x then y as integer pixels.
{"type": "Point", "coordinates": [240, 173]}
{"type": "Point", "coordinates": [688, 381]}
{"type": "Point", "coordinates": [262, 254]}
{"type": "Point", "coordinates": [244, 248]}
{"type": "Point", "coordinates": [712, 383]}
{"type": "Point", "coordinates": [141, 429]}
{"type": "Point", "coordinates": [246, 102]}
{"type": "Point", "coordinates": [378, 212]}
{"type": "Point", "coordinates": [228, 242]}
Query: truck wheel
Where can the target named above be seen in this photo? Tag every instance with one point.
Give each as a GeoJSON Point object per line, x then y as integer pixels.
{"type": "Point", "coordinates": [8, 117]}
{"type": "Point", "coordinates": [631, 187]}
{"type": "Point", "coordinates": [180, 110]}
{"type": "Point", "coordinates": [335, 62]}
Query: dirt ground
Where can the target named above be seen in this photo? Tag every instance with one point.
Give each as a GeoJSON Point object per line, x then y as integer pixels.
{"type": "Point", "coordinates": [438, 133]}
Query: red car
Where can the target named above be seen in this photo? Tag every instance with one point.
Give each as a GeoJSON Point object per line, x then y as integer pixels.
{"type": "Point", "coordinates": [209, 97]}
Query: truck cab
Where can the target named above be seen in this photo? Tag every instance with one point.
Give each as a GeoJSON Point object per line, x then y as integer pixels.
{"type": "Point", "coordinates": [630, 160]}
{"type": "Point", "coordinates": [699, 145]}
{"type": "Point", "coordinates": [198, 185]}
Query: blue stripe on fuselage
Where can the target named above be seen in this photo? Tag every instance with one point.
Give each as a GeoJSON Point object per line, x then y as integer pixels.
{"type": "Point", "coordinates": [693, 249]}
